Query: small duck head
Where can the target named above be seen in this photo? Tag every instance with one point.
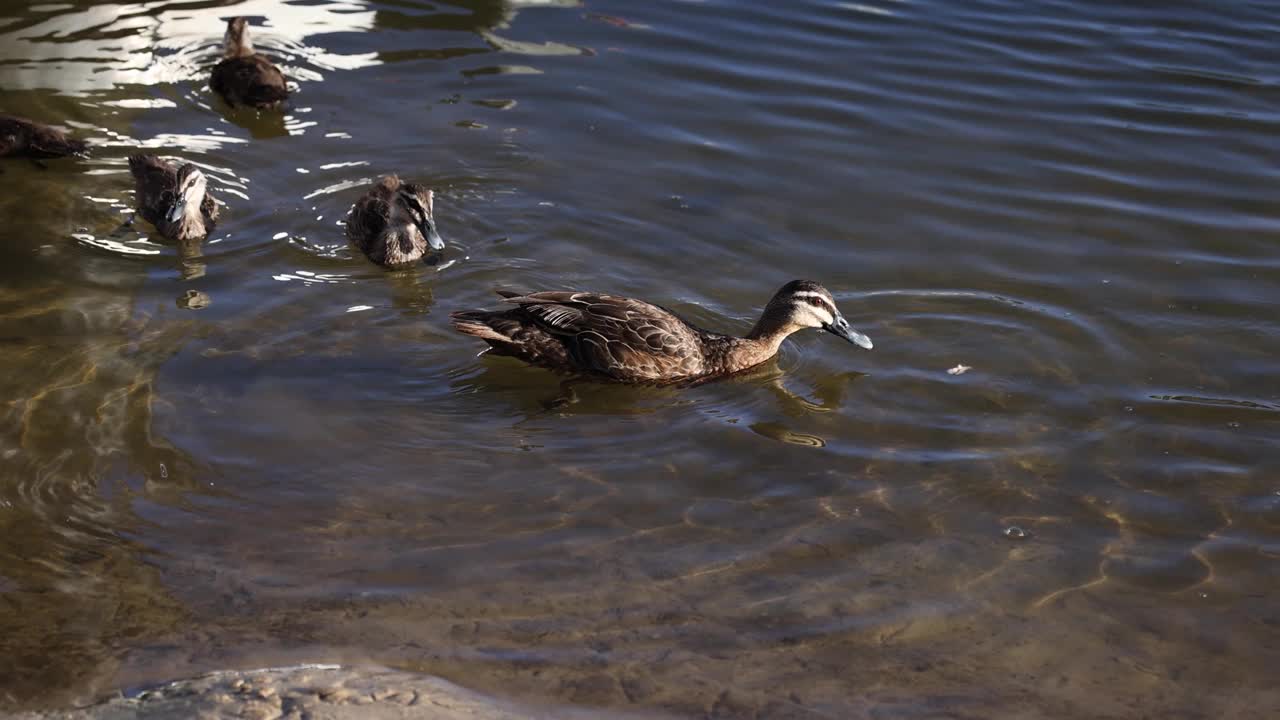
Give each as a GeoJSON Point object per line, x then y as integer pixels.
{"type": "Point", "coordinates": [806, 304]}
{"type": "Point", "coordinates": [412, 211]}
{"type": "Point", "coordinates": [236, 42]}
{"type": "Point", "coordinates": [192, 185]}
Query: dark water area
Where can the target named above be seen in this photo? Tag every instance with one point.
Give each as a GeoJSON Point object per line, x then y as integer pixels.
{"type": "Point", "coordinates": [1077, 200]}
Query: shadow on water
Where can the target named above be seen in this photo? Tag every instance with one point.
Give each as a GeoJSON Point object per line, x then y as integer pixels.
{"type": "Point", "coordinates": [261, 124]}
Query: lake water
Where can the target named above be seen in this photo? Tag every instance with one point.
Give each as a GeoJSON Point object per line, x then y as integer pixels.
{"type": "Point", "coordinates": [1077, 200]}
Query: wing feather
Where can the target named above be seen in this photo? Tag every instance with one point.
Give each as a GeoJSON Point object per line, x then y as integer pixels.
{"type": "Point", "coordinates": [156, 182]}
{"type": "Point", "coordinates": [369, 217]}
{"type": "Point", "coordinates": [621, 337]}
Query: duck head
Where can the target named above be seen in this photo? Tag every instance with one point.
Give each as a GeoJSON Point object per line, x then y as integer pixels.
{"type": "Point", "coordinates": [236, 42]}
{"type": "Point", "coordinates": [806, 304]}
{"type": "Point", "coordinates": [192, 185]}
{"type": "Point", "coordinates": [414, 206]}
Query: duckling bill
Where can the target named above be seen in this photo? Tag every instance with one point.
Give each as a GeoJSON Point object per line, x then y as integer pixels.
{"type": "Point", "coordinates": [394, 223]}
{"type": "Point", "coordinates": [632, 341]}
{"type": "Point", "coordinates": [173, 197]}
{"type": "Point", "coordinates": [20, 137]}
{"type": "Point", "coordinates": [245, 78]}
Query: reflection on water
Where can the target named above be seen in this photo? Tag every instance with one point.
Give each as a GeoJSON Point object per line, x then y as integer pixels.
{"type": "Point", "coordinates": [85, 47]}
{"type": "Point", "coordinates": [261, 448]}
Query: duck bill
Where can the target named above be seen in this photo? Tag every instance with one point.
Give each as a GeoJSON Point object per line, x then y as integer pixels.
{"type": "Point", "coordinates": [176, 212]}
{"type": "Point", "coordinates": [433, 238]}
{"type": "Point", "coordinates": [840, 328]}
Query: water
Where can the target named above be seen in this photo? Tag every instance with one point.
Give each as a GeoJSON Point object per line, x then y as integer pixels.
{"type": "Point", "coordinates": [1076, 200]}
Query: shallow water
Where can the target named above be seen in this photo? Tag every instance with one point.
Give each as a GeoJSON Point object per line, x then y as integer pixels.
{"type": "Point", "coordinates": [1075, 199]}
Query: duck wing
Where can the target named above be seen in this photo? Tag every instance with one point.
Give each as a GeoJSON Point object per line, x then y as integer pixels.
{"type": "Point", "coordinates": [209, 207]}
{"type": "Point", "coordinates": [621, 337]}
{"type": "Point", "coordinates": [368, 218]}
{"type": "Point", "coordinates": [11, 131]}
{"type": "Point", "coordinates": [156, 181]}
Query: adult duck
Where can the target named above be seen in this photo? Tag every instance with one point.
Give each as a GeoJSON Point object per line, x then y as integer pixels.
{"type": "Point", "coordinates": [394, 224]}
{"type": "Point", "coordinates": [20, 137]}
{"type": "Point", "coordinates": [632, 341]}
{"type": "Point", "coordinates": [246, 78]}
{"type": "Point", "coordinates": [173, 197]}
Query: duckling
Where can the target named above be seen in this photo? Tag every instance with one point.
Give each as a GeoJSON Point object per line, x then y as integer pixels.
{"type": "Point", "coordinates": [393, 223]}
{"type": "Point", "coordinates": [173, 197]}
{"type": "Point", "coordinates": [20, 137]}
{"type": "Point", "coordinates": [245, 77]}
{"type": "Point", "coordinates": [632, 341]}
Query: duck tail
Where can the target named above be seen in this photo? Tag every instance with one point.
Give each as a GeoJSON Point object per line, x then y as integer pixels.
{"type": "Point", "coordinates": [476, 323]}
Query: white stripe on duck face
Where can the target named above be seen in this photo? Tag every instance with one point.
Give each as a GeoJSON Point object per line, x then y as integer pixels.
{"type": "Point", "coordinates": [825, 314]}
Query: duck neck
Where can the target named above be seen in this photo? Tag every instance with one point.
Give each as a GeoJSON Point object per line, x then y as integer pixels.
{"type": "Point", "coordinates": [762, 342]}
{"type": "Point", "coordinates": [237, 44]}
{"type": "Point", "coordinates": [773, 327]}
{"type": "Point", "coordinates": [191, 225]}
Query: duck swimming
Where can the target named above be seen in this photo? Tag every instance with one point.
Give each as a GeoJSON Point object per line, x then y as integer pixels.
{"type": "Point", "coordinates": [632, 341]}
{"type": "Point", "coordinates": [393, 223]}
{"type": "Point", "coordinates": [20, 137]}
{"type": "Point", "coordinates": [173, 197]}
{"type": "Point", "coordinates": [246, 78]}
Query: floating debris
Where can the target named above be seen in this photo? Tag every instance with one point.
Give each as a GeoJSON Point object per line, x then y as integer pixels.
{"type": "Point", "coordinates": [495, 103]}
{"type": "Point", "coordinates": [193, 300]}
{"type": "Point", "coordinates": [615, 21]}
{"type": "Point", "coordinates": [959, 370]}
{"type": "Point", "coordinates": [1013, 532]}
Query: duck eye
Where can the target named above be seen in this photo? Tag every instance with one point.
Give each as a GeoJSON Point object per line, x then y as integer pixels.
{"type": "Point", "coordinates": [415, 209]}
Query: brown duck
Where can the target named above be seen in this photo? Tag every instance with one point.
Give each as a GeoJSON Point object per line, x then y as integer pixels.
{"type": "Point", "coordinates": [632, 341]}
{"type": "Point", "coordinates": [173, 197]}
{"type": "Point", "coordinates": [246, 78]}
{"type": "Point", "coordinates": [20, 137]}
{"type": "Point", "coordinates": [393, 223]}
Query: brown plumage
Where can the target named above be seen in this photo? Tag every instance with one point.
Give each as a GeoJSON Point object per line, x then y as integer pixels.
{"type": "Point", "coordinates": [20, 137]}
{"type": "Point", "coordinates": [632, 341]}
{"type": "Point", "coordinates": [246, 78]}
{"type": "Point", "coordinates": [393, 223]}
{"type": "Point", "coordinates": [173, 197]}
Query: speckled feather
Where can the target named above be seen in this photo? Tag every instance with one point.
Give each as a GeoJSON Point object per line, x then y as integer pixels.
{"type": "Point", "coordinates": [619, 338]}
{"type": "Point", "coordinates": [370, 227]}
{"type": "Point", "coordinates": [252, 81]}
{"type": "Point", "coordinates": [245, 77]}
{"type": "Point", "coordinates": [633, 341]}
{"type": "Point", "coordinates": [156, 185]}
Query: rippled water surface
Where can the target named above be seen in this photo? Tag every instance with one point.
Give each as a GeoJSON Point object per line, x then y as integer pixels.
{"type": "Point", "coordinates": [1077, 200]}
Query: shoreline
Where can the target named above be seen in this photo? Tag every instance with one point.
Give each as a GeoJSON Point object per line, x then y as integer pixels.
{"type": "Point", "coordinates": [313, 692]}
